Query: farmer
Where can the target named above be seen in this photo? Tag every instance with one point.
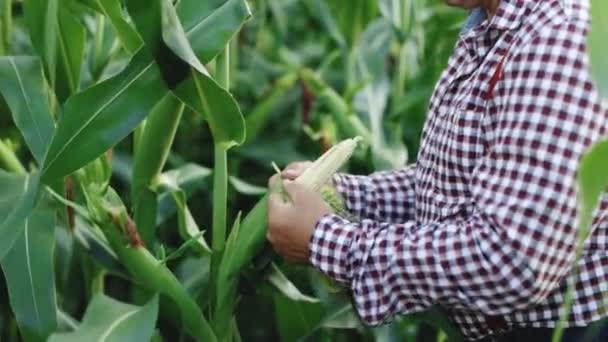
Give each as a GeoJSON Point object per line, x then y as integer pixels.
{"type": "Point", "coordinates": [484, 224]}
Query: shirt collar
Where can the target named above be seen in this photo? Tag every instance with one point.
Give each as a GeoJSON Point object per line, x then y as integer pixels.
{"type": "Point", "coordinates": [509, 16]}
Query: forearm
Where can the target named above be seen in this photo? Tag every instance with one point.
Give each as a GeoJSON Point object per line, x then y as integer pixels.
{"type": "Point", "coordinates": [404, 268]}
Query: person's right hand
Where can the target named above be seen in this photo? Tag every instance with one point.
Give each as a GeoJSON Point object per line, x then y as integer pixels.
{"type": "Point", "coordinates": [295, 169]}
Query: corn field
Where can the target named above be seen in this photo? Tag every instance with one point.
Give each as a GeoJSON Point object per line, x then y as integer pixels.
{"type": "Point", "coordinates": [137, 137]}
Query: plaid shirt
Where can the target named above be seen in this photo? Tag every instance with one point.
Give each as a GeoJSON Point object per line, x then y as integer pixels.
{"type": "Point", "coordinates": [484, 224]}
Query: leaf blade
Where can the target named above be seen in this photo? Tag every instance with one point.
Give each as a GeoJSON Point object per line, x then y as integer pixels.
{"type": "Point", "coordinates": [27, 101]}
{"type": "Point", "coordinates": [32, 293]}
{"type": "Point", "coordinates": [99, 117]}
{"type": "Point", "coordinates": [107, 319]}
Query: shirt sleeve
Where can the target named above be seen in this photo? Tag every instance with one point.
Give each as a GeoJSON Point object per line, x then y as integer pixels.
{"type": "Point", "coordinates": [386, 195]}
{"type": "Point", "coordinates": [519, 242]}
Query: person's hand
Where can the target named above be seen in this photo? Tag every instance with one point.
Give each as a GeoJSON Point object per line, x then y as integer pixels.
{"type": "Point", "coordinates": [295, 169]}
{"type": "Point", "coordinates": [291, 224]}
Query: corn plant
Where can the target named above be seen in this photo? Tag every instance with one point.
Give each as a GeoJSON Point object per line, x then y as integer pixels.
{"type": "Point", "coordinates": [110, 106]}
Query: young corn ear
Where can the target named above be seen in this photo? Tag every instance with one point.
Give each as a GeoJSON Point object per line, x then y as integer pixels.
{"type": "Point", "coordinates": [249, 239]}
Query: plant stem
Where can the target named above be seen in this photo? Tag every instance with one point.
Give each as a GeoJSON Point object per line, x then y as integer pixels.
{"type": "Point", "coordinates": [153, 275]}
{"type": "Point", "coordinates": [220, 199]}
{"type": "Point", "coordinates": [222, 68]}
{"type": "Point", "coordinates": [9, 161]}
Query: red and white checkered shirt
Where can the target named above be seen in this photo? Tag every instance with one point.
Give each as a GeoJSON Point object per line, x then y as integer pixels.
{"type": "Point", "coordinates": [485, 223]}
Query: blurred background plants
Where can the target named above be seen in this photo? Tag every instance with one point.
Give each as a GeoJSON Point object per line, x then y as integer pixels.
{"type": "Point", "coordinates": [97, 124]}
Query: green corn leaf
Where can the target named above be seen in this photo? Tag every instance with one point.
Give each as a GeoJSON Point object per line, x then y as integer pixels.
{"type": "Point", "coordinates": [23, 87]}
{"type": "Point", "coordinates": [152, 152]}
{"type": "Point", "coordinates": [126, 33]}
{"type": "Point", "coordinates": [17, 201]}
{"type": "Point", "coordinates": [183, 71]}
{"type": "Point", "coordinates": [96, 119]}
{"type": "Point", "coordinates": [107, 319]}
{"type": "Point", "coordinates": [188, 228]}
{"type": "Point", "coordinates": [30, 279]}
{"type": "Point", "coordinates": [209, 34]}
{"type": "Point", "coordinates": [41, 20]}
{"type": "Point", "coordinates": [286, 287]}
{"type": "Point", "coordinates": [339, 316]}
{"type": "Point", "coordinates": [71, 39]}
{"type": "Point", "coordinates": [155, 144]}
{"type": "Point", "coordinates": [104, 114]}
{"type": "Point", "coordinates": [597, 45]}
{"type": "Point", "coordinates": [192, 12]}
{"type": "Point", "coordinates": [295, 319]}
{"type": "Point", "coordinates": [217, 106]}
{"type": "Point", "coordinates": [189, 178]}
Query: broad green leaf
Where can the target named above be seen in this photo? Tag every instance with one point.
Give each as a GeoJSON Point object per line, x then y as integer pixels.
{"type": "Point", "coordinates": [23, 87]}
{"type": "Point", "coordinates": [286, 287]}
{"type": "Point", "coordinates": [188, 228]}
{"type": "Point", "coordinates": [126, 33]}
{"type": "Point", "coordinates": [218, 107]}
{"type": "Point", "coordinates": [188, 178]}
{"type": "Point", "coordinates": [17, 201]}
{"type": "Point", "coordinates": [71, 37]}
{"type": "Point", "coordinates": [183, 71]}
{"type": "Point", "coordinates": [151, 154]}
{"type": "Point", "coordinates": [192, 12]}
{"type": "Point", "coordinates": [158, 136]}
{"type": "Point", "coordinates": [597, 44]}
{"type": "Point", "coordinates": [340, 316]}
{"type": "Point", "coordinates": [107, 319]}
{"type": "Point", "coordinates": [41, 20]}
{"type": "Point", "coordinates": [30, 278]}
{"type": "Point", "coordinates": [208, 35]}
{"type": "Point", "coordinates": [99, 117]}
{"type": "Point", "coordinates": [295, 320]}
{"type": "Point", "coordinates": [102, 115]}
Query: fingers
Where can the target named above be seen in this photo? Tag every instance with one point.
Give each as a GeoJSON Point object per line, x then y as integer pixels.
{"type": "Point", "coordinates": [295, 169]}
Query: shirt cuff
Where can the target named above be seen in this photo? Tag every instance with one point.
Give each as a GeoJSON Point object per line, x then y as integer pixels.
{"type": "Point", "coordinates": [354, 190]}
{"type": "Point", "coordinates": [330, 247]}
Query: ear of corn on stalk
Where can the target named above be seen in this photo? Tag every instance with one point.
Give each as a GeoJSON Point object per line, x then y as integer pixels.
{"type": "Point", "coordinates": [249, 239]}
{"type": "Point", "coordinates": [108, 212]}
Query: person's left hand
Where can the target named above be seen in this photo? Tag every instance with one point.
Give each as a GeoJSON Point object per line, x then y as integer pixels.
{"type": "Point", "coordinates": [291, 224]}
